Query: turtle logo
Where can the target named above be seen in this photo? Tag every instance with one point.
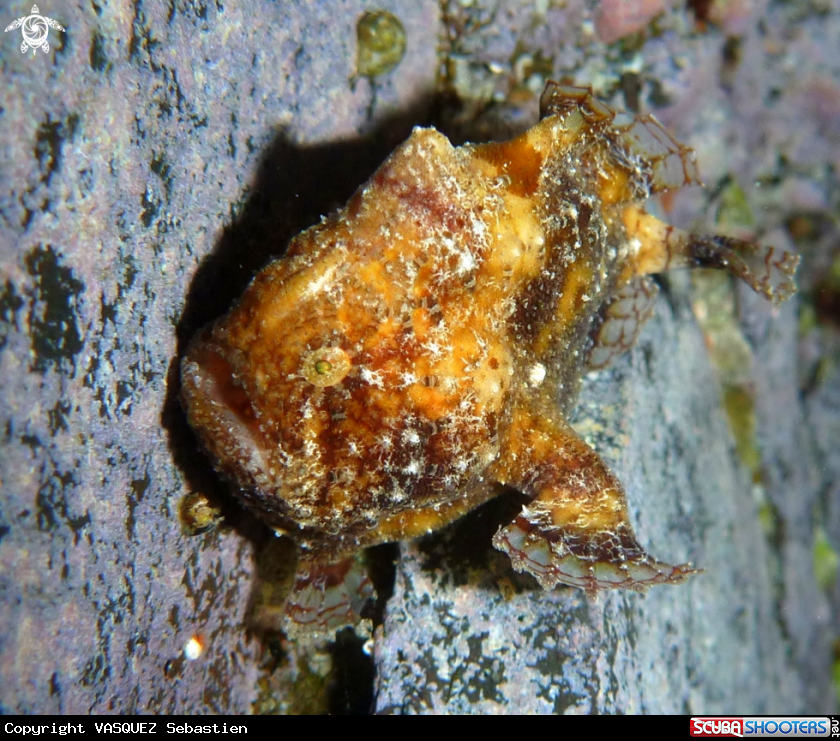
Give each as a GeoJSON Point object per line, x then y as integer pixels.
{"type": "Point", "coordinates": [35, 29]}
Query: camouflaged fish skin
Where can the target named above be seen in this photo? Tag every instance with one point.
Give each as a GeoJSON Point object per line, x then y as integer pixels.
{"type": "Point", "coordinates": [420, 349]}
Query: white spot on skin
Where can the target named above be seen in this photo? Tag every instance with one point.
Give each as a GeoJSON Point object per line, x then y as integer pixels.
{"type": "Point", "coordinates": [318, 284]}
{"type": "Point", "coordinates": [466, 262]}
{"type": "Point", "coordinates": [407, 379]}
{"type": "Point", "coordinates": [434, 348]}
{"type": "Point", "coordinates": [536, 374]}
{"type": "Point", "coordinates": [479, 230]}
{"type": "Point", "coordinates": [411, 437]}
{"type": "Point", "coordinates": [374, 378]}
{"type": "Point", "coordinates": [308, 411]}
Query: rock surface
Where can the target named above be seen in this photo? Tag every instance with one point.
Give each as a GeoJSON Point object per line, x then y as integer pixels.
{"type": "Point", "coordinates": [161, 152]}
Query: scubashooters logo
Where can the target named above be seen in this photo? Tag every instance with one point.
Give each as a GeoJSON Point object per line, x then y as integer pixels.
{"type": "Point", "coordinates": [777, 727]}
{"type": "Point", "coordinates": [35, 29]}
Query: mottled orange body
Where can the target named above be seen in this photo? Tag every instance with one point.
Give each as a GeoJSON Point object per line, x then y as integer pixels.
{"type": "Point", "coordinates": [424, 345]}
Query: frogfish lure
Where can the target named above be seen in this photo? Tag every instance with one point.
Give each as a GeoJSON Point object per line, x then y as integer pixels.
{"type": "Point", "coordinates": [420, 349]}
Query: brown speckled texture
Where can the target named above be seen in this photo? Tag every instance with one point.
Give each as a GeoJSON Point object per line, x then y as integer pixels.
{"type": "Point", "coordinates": [426, 343]}
{"type": "Point", "coordinates": [155, 134]}
{"type": "Point", "coordinates": [755, 630]}
{"type": "Point", "coordinates": [461, 635]}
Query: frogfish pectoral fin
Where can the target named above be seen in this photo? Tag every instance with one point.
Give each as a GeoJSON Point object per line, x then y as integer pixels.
{"type": "Point", "coordinates": [620, 321]}
{"type": "Point", "coordinates": [576, 530]}
{"type": "Point", "coordinates": [659, 247]}
{"type": "Point", "coordinates": [591, 560]}
{"type": "Point", "coordinates": [327, 597]}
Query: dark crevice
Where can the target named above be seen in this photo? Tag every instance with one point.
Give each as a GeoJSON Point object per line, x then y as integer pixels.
{"type": "Point", "coordinates": [351, 690]}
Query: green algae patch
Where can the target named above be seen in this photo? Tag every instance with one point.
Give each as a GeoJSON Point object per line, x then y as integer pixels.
{"type": "Point", "coordinates": [381, 43]}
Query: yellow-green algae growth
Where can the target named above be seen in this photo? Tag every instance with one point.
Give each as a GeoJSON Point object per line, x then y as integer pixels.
{"type": "Point", "coordinates": [381, 43]}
